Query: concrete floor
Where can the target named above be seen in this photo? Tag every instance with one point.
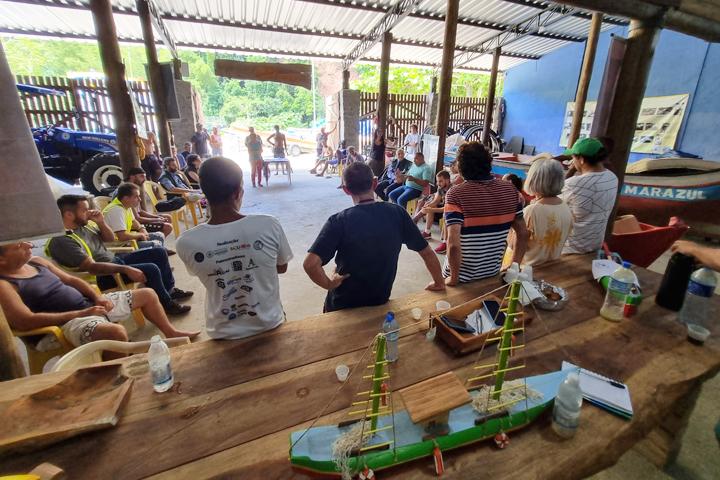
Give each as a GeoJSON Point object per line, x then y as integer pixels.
{"type": "Point", "coordinates": [303, 208]}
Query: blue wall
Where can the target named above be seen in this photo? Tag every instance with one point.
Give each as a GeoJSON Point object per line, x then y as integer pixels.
{"type": "Point", "coordinates": [537, 92]}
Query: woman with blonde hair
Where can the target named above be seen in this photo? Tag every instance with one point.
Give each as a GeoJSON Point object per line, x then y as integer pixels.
{"type": "Point", "coordinates": [548, 218]}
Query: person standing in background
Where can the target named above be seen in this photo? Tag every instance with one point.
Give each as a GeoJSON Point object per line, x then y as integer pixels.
{"type": "Point", "coordinates": [254, 146]}
{"type": "Point", "coordinates": [412, 142]}
{"type": "Point", "coordinates": [200, 140]}
{"type": "Point", "coordinates": [216, 143]}
{"type": "Point", "coordinates": [279, 146]}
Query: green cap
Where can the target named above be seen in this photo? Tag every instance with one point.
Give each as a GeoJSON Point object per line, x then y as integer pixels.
{"type": "Point", "coordinates": [585, 147]}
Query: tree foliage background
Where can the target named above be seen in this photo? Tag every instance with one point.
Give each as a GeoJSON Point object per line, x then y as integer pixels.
{"type": "Point", "coordinates": [226, 100]}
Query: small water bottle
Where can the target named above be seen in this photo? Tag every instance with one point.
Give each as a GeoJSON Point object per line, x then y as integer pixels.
{"type": "Point", "coordinates": [566, 411]}
{"type": "Point", "coordinates": [618, 288]}
{"type": "Point", "coordinates": [695, 312]}
{"type": "Point", "coordinates": [160, 369]}
{"type": "Point", "coordinates": [391, 339]}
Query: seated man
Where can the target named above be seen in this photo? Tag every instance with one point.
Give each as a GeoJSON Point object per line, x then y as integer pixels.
{"type": "Point", "coordinates": [434, 207]}
{"type": "Point", "coordinates": [82, 248]}
{"type": "Point", "coordinates": [34, 293]}
{"type": "Point", "coordinates": [393, 175]}
{"type": "Point", "coordinates": [183, 156]}
{"type": "Point", "coordinates": [479, 213]}
{"type": "Point", "coordinates": [173, 182]}
{"type": "Point", "coordinates": [365, 240]}
{"type": "Point", "coordinates": [417, 178]}
{"type": "Point", "coordinates": [353, 155]}
{"type": "Point", "coordinates": [120, 218]}
{"type": "Point", "coordinates": [151, 221]}
{"type": "Point", "coordinates": [236, 257]}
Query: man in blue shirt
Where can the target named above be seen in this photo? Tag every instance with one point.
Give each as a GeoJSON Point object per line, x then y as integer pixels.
{"type": "Point", "coordinates": [416, 179]}
{"type": "Point", "coordinates": [365, 241]}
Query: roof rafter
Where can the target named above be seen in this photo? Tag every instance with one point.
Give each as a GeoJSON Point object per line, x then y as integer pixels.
{"type": "Point", "coordinates": [579, 14]}
{"type": "Point", "coordinates": [221, 47]}
{"type": "Point", "coordinates": [391, 18]}
{"type": "Point", "coordinates": [533, 23]}
{"type": "Point", "coordinates": [426, 15]}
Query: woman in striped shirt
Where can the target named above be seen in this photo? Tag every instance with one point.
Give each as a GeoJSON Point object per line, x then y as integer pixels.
{"type": "Point", "coordinates": [479, 213]}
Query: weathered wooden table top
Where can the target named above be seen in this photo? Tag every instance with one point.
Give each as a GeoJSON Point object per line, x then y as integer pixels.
{"type": "Point", "coordinates": [238, 401]}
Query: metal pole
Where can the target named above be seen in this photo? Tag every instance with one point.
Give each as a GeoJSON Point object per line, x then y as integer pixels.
{"type": "Point", "coordinates": [490, 103]}
{"type": "Point", "coordinates": [585, 76]}
{"type": "Point", "coordinates": [443, 116]}
{"type": "Point", "coordinates": [157, 86]}
{"type": "Point", "coordinates": [117, 87]}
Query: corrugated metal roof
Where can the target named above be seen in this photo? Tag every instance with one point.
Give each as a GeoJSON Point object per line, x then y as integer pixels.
{"type": "Point", "coordinates": [305, 27]}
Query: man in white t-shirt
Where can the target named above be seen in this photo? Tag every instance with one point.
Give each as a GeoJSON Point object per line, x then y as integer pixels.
{"type": "Point", "coordinates": [236, 257]}
{"type": "Point", "coordinates": [412, 142]}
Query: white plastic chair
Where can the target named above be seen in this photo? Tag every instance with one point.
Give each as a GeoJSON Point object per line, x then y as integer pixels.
{"type": "Point", "coordinates": [91, 353]}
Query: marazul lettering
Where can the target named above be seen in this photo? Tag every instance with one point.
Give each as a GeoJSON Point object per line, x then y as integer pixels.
{"type": "Point", "coordinates": [669, 193]}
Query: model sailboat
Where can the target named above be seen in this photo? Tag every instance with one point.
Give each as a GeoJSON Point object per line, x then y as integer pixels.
{"type": "Point", "coordinates": [440, 413]}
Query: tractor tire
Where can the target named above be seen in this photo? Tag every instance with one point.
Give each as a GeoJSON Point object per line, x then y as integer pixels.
{"type": "Point", "coordinates": [101, 172]}
{"type": "Point", "coordinates": [295, 150]}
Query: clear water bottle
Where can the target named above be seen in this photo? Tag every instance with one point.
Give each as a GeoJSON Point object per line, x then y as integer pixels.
{"type": "Point", "coordinates": [160, 369]}
{"type": "Point", "coordinates": [695, 312]}
{"type": "Point", "coordinates": [568, 402]}
{"type": "Point", "coordinates": [618, 288]}
{"type": "Point", "coordinates": [391, 339]}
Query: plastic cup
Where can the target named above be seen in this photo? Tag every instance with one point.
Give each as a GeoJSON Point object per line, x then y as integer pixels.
{"type": "Point", "coordinates": [697, 334]}
{"type": "Point", "coordinates": [342, 371]}
{"type": "Point", "coordinates": [416, 313]}
{"type": "Point", "coordinates": [441, 305]}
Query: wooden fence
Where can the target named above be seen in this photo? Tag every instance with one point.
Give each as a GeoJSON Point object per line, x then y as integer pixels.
{"type": "Point", "coordinates": [85, 104]}
{"type": "Point", "coordinates": [406, 110]}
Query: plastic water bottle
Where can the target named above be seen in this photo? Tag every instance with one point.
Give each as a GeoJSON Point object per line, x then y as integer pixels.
{"type": "Point", "coordinates": [160, 369]}
{"type": "Point", "coordinates": [618, 288]}
{"type": "Point", "coordinates": [391, 339]}
{"type": "Point", "coordinates": [568, 402]}
{"type": "Point", "coordinates": [695, 312]}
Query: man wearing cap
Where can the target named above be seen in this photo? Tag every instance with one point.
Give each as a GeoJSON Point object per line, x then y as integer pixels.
{"type": "Point", "coordinates": [590, 194]}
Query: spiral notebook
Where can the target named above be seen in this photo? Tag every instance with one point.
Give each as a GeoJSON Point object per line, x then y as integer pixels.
{"type": "Point", "coordinates": [604, 392]}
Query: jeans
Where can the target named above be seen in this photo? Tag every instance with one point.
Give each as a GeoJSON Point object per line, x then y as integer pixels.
{"type": "Point", "coordinates": [403, 195]}
{"type": "Point", "coordinates": [153, 262]}
{"type": "Point", "coordinates": [156, 239]}
{"type": "Point", "coordinates": [171, 204]}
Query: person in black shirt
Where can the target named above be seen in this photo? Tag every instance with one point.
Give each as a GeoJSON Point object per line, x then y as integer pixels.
{"type": "Point", "coordinates": [365, 240]}
{"type": "Point", "coordinates": [200, 141]}
{"type": "Point", "coordinates": [394, 175]}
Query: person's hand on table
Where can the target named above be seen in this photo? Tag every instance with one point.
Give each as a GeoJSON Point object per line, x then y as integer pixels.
{"type": "Point", "coordinates": [435, 287]}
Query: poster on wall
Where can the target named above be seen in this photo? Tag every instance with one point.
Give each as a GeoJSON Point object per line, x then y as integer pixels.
{"type": "Point", "coordinates": [657, 126]}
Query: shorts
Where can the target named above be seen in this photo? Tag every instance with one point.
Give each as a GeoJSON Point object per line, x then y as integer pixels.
{"type": "Point", "coordinates": [154, 227]}
{"type": "Point", "coordinates": [78, 331]}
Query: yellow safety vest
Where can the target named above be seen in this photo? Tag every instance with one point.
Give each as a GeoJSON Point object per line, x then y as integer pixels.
{"type": "Point", "coordinates": [128, 213]}
{"type": "Point", "coordinates": [75, 237]}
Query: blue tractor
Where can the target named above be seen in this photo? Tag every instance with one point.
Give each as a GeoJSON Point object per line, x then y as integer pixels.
{"type": "Point", "coordinates": [71, 155]}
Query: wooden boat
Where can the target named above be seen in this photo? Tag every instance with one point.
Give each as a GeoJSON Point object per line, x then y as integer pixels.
{"type": "Point", "coordinates": [656, 189]}
{"type": "Point", "coordinates": [391, 438]}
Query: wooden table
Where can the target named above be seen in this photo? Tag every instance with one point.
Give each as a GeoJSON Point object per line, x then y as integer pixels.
{"type": "Point", "coordinates": [238, 401]}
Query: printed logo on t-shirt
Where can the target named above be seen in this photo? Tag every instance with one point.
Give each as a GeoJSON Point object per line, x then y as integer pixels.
{"type": "Point", "coordinates": [220, 283]}
{"type": "Point", "coordinates": [251, 265]}
{"type": "Point", "coordinates": [237, 265]}
{"type": "Point", "coordinates": [199, 257]}
{"type": "Point", "coordinates": [258, 245]}
{"type": "Point", "coordinates": [219, 251]}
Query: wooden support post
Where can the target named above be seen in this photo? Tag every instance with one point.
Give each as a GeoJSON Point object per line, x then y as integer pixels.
{"type": "Point", "coordinates": [433, 84]}
{"type": "Point", "coordinates": [383, 88]}
{"type": "Point", "coordinates": [490, 103]}
{"type": "Point", "coordinates": [585, 76]}
{"type": "Point", "coordinates": [117, 87]}
{"type": "Point", "coordinates": [157, 86]}
{"type": "Point", "coordinates": [346, 79]}
{"type": "Point", "coordinates": [629, 94]}
{"type": "Point", "coordinates": [446, 72]}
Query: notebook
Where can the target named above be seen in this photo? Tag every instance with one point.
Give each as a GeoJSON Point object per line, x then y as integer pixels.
{"type": "Point", "coordinates": [604, 392]}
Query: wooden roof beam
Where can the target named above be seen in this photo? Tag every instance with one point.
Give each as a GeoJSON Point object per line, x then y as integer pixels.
{"type": "Point", "coordinates": [683, 21]}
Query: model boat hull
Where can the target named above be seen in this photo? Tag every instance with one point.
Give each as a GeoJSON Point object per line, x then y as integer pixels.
{"type": "Point", "coordinates": [312, 450]}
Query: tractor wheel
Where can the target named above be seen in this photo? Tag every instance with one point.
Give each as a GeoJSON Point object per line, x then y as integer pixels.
{"type": "Point", "coordinates": [295, 150]}
{"type": "Point", "coordinates": [101, 172]}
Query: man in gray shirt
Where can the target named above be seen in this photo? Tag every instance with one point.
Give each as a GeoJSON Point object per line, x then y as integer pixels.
{"type": "Point", "coordinates": [83, 248]}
